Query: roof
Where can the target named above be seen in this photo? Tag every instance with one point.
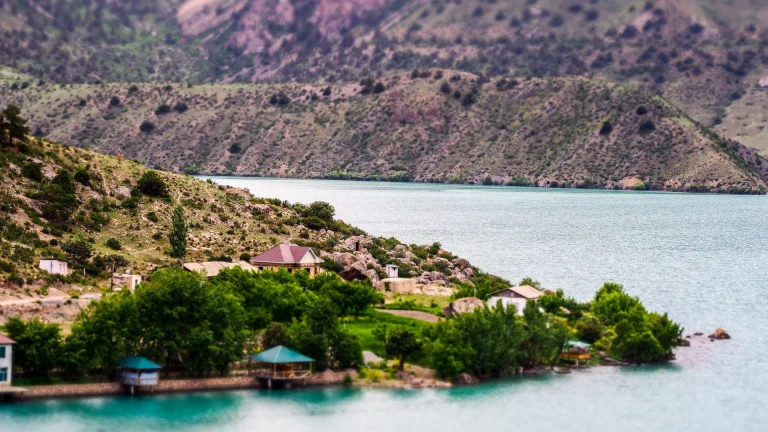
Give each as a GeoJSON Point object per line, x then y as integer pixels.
{"type": "Point", "coordinates": [212, 268]}
{"type": "Point", "coordinates": [287, 254]}
{"type": "Point", "coordinates": [524, 291]}
{"type": "Point", "coordinates": [578, 344]}
{"type": "Point", "coordinates": [5, 340]}
{"type": "Point", "coordinates": [392, 266]}
{"type": "Point", "coordinates": [280, 354]}
{"type": "Point", "coordinates": [138, 363]}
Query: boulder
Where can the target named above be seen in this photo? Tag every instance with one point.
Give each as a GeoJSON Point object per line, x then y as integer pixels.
{"type": "Point", "coordinates": [352, 267]}
{"type": "Point", "coordinates": [123, 192]}
{"type": "Point", "coordinates": [462, 306]}
{"type": "Point", "coordinates": [241, 192]}
{"type": "Point", "coordinates": [461, 264]}
{"type": "Point", "coordinates": [436, 276]}
{"type": "Point", "coordinates": [719, 334]}
{"type": "Point", "coordinates": [372, 275]}
{"type": "Point", "coordinates": [259, 209]}
{"type": "Point", "coordinates": [465, 379]}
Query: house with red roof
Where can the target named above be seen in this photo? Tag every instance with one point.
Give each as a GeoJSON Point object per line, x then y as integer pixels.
{"type": "Point", "coordinates": [290, 257]}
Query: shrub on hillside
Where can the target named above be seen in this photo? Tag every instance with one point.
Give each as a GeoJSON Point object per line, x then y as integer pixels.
{"type": "Point", "coordinates": [162, 109]}
{"type": "Point", "coordinates": [32, 171]}
{"type": "Point", "coordinates": [147, 126]}
{"type": "Point", "coordinates": [113, 243]}
{"type": "Point", "coordinates": [115, 101]}
{"type": "Point", "coordinates": [606, 129]}
{"type": "Point", "coordinates": [152, 184]}
{"type": "Point", "coordinates": [83, 177]}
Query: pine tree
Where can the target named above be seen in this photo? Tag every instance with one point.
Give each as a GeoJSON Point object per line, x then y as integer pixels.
{"type": "Point", "coordinates": [178, 234]}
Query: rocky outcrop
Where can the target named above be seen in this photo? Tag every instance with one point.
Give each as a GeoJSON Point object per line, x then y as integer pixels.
{"type": "Point", "coordinates": [465, 379]}
{"type": "Point", "coordinates": [462, 306]}
{"type": "Point", "coordinates": [719, 334]}
{"type": "Point", "coordinates": [352, 267]}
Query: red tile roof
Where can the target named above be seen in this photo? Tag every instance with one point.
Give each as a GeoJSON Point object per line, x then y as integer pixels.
{"type": "Point", "coordinates": [5, 340]}
{"type": "Point", "coordinates": [283, 254]}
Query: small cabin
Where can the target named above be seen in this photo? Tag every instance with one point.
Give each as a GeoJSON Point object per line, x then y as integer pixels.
{"type": "Point", "coordinates": [125, 280]}
{"type": "Point", "coordinates": [282, 365]}
{"type": "Point", "coordinates": [137, 371]}
{"type": "Point", "coordinates": [523, 292]}
{"type": "Point", "coordinates": [6, 360]}
{"type": "Point", "coordinates": [392, 271]}
{"type": "Point", "coordinates": [54, 266]}
{"type": "Point", "coordinates": [291, 257]}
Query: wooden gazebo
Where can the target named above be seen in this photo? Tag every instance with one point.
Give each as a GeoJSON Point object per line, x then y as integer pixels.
{"type": "Point", "coordinates": [577, 351]}
{"type": "Point", "coordinates": [283, 365]}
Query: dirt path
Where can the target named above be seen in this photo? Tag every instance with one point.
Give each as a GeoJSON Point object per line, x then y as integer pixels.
{"type": "Point", "coordinates": [419, 315]}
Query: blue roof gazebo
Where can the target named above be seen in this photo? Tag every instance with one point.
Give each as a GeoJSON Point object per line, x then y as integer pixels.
{"type": "Point", "coordinates": [137, 371]}
{"type": "Point", "coordinates": [282, 364]}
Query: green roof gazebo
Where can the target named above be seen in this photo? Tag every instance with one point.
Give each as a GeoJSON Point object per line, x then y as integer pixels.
{"type": "Point", "coordinates": [136, 371]}
{"type": "Point", "coordinates": [282, 364]}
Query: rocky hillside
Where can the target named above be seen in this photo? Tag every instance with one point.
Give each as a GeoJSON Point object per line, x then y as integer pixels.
{"type": "Point", "coordinates": [432, 126]}
{"type": "Point", "coordinates": [54, 196]}
{"type": "Point", "coordinates": [706, 56]}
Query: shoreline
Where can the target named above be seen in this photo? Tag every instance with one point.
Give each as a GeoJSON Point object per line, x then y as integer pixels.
{"type": "Point", "coordinates": [606, 188]}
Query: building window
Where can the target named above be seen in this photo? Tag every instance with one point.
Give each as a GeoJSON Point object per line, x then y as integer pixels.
{"type": "Point", "coordinates": [2, 352]}
{"type": "Point", "coordinates": [3, 374]}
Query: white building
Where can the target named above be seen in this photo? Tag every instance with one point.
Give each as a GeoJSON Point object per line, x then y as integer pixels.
{"type": "Point", "coordinates": [517, 296]}
{"type": "Point", "coordinates": [6, 360]}
{"type": "Point", "coordinates": [125, 280]}
{"type": "Point", "coordinates": [392, 271]}
{"type": "Point", "coordinates": [54, 266]}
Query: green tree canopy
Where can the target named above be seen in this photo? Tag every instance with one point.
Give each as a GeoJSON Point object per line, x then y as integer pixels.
{"type": "Point", "coordinates": [152, 184]}
{"type": "Point", "coordinates": [78, 250]}
{"type": "Point", "coordinates": [13, 127]}
{"type": "Point", "coordinates": [402, 344]}
{"type": "Point", "coordinates": [38, 344]}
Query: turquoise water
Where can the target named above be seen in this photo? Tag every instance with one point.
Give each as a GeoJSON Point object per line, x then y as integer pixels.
{"type": "Point", "coordinates": [702, 258]}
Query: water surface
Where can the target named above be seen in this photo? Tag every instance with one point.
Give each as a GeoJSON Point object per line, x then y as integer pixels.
{"type": "Point", "coordinates": [699, 257]}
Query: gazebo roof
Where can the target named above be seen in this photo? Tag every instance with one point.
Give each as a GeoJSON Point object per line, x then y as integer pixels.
{"type": "Point", "coordinates": [578, 344]}
{"type": "Point", "coordinates": [280, 354]}
{"type": "Point", "coordinates": [138, 363]}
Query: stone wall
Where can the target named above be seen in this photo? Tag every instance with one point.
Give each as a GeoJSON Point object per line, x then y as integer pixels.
{"type": "Point", "coordinates": [167, 386]}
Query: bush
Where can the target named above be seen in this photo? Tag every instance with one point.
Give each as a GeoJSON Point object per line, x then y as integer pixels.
{"type": "Point", "coordinates": [83, 177]}
{"type": "Point", "coordinates": [647, 127]}
{"type": "Point", "coordinates": [180, 107]}
{"type": "Point", "coordinates": [115, 101]}
{"type": "Point", "coordinates": [33, 171]}
{"type": "Point", "coordinates": [152, 216]}
{"type": "Point", "coordinates": [113, 243]}
{"type": "Point", "coordinates": [152, 184]}
{"type": "Point", "coordinates": [147, 126]}
{"type": "Point", "coordinates": [641, 111]}
{"type": "Point", "coordinates": [245, 256]}
{"type": "Point", "coordinates": [606, 129]}
{"type": "Point", "coordinates": [162, 109]}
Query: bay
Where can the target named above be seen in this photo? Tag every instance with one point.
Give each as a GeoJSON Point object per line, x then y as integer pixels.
{"type": "Point", "coordinates": [701, 258]}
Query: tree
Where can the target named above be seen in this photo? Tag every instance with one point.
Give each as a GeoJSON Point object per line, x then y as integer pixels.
{"type": "Point", "coordinates": [402, 344]}
{"type": "Point", "coordinates": [64, 179]}
{"type": "Point", "coordinates": [37, 346]}
{"type": "Point", "coordinates": [349, 297]}
{"type": "Point", "coordinates": [113, 243]}
{"type": "Point", "coordinates": [275, 334]}
{"type": "Point", "coordinates": [78, 250]}
{"type": "Point", "coordinates": [552, 303]}
{"type": "Point", "coordinates": [58, 204]}
{"type": "Point", "coordinates": [32, 171]}
{"type": "Point", "coordinates": [12, 126]}
{"type": "Point", "coordinates": [152, 184]}
{"type": "Point", "coordinates": [178, 234]}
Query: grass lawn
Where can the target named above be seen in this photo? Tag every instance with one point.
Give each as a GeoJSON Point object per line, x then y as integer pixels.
{"type": "Point", "coordinates": [364, 325]}
{"type": "Point", "coordinates": [422, 302]}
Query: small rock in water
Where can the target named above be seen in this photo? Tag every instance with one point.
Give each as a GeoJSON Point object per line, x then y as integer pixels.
{"type": "Point", "coordinates": [698, 334]}
{"type": "Point", "coordinates": [719, 334]}
{"type": "Point", "coordinates": [685, 343]}
{"type": "Point", "coordinates": [465, 379]}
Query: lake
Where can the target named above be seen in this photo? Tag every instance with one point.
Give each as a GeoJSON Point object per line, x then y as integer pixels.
{"type": "Point", "coordinates": [702, 258]}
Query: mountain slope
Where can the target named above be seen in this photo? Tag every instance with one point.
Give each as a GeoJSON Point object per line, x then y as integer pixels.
{"type": "Point", "coordinates": [700, 54]}
{"type": "Point", "coordinates": [440, 126]}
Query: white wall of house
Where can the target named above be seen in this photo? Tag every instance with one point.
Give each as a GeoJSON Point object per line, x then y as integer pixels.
{"type": "Point", "coordinates": [519, 302]}
{"type": "Point", "coordinates": [54, 266]}
{"type": "Point", "coordinates": [6, 365]}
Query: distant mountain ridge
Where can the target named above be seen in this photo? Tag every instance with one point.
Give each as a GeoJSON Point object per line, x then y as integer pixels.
{"type": "Point", "coordinates": [434, 126]}
{"type": "Point", "coordinates": [706, 56]}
